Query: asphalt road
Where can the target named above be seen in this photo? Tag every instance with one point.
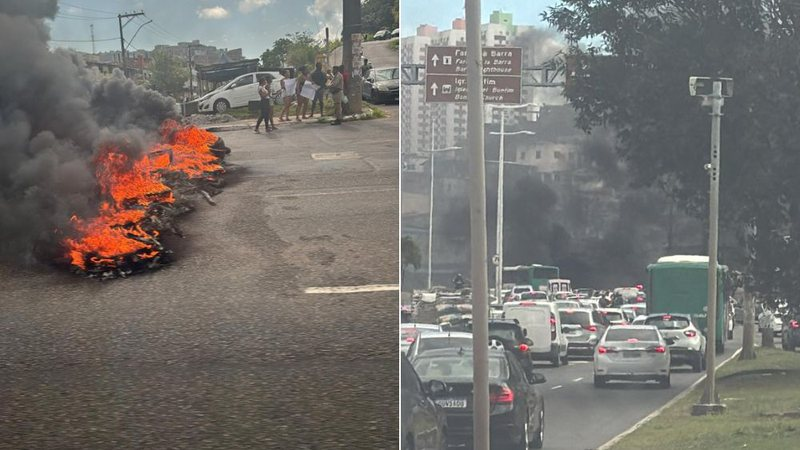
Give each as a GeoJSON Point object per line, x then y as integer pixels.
{"type": "Point", "coordinates": [223, 349]}
{"type": "Point", "coordinates": [579, 416]}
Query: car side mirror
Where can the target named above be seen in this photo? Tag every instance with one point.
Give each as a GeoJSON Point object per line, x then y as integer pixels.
{"type": "Point", "coordinates": [436, 387]}
{"type": "Point", "coordinates": [536, 378]}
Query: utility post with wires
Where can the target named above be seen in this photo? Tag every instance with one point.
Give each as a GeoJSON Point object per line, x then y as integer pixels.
{"type": "Point", "coordinates": [129, 16]}
{"type": "Point", "coordinates": [191, 66]}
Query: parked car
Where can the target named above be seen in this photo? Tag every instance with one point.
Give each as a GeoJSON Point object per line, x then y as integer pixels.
{"type": "Point", "coordinates": [396, 32]}
{"type": "Point", "coordinates": [382, 34]}
{"type": "Point", "coordinates": [382, 85]}
{"type": "Point", "coordinates": [517, 408]}
{"type": "Point", "coordinates": [423, 423]}
{"type": "Point", "coordinates": [236, 93]}
{"type": "Point", "coordinates": [634, 353]}
{"type": "Point", "coordinates": [686, 343]}
{"type": "Point", "coordinates": [543, 323]}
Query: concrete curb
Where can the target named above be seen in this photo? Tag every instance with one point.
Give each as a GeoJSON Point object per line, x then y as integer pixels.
{"type": "Point", "coordinates": [656, 413]}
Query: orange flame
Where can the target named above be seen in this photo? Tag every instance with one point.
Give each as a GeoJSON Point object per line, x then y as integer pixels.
{"type": "Point", "coordinates": [120, 232]}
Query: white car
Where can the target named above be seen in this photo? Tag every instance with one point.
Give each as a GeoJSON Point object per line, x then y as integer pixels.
{"type": "Point", "coordinates": [567, 304]}
{"type": "Point", "coordinates": [633, 353]}
{"type": "Point", "coordinates": [237, 93]}
{"type": "Point", "coordinates": [686, 343]}
{"type": "Point", "coordinates": [543, 323]}
{"type": "Point", "coordinates": [435, 341]}
{"type": "Point", "coordinates": [410, 331]}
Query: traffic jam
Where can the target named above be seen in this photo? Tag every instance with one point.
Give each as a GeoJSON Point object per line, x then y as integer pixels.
{"type": "Point", "coordinates": [629, 335]}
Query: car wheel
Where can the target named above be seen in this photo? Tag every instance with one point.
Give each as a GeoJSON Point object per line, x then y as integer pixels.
{"type": "Point", "coordinates": [565, 359]}
{"type": "Point", "coordinates": [221, 105]}
{"type": "Point", "coordinates": [555, 359]}
{"type": "Point", "coordinates": [599, 381]}
{"type": "Point", "coordinates": [524, 439]}
{"type": "Point", "coordinates": [538, 439]}
{"type": "Point", "coordinates": [664, 382]}
{"type": "Point", "coordinates": [697, 365]}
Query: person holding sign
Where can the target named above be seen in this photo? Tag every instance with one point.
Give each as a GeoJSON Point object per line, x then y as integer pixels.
{"type": "Point", "coordinates": [302, 102]}
{"type": "Point", "coordinates": [287, 90]}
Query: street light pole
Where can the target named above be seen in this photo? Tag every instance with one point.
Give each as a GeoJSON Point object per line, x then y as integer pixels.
{"type": "Point", "coordinates": [498, 260]}
{"type": "Point", "coordinates": [430, 213]}
{"type": "Point", "coordinates": [709, 403]}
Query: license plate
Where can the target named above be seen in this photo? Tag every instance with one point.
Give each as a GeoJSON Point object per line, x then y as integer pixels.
{"type": "Point", "coordinates": [630, 354]}
{"type": "Point", "coordinates": [452, 402]}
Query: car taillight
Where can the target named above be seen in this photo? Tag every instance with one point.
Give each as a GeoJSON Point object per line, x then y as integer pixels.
{"type": "Point", "coordinates": [639, 299]}
{"type": "Point", "coordinates": [523, 348]}
{"type": "Point", "coordinates": [690, 333]}
{"type": "Point", "coordinates": [410, 340]}
{"type": "Point", "coordinates": [526, 303]}
{"type": "Point", "coordinates": [602, 350]}
{"type": "Point", "coordinates": [633, 340]}
{"type": "Point", "coordinates": [552, 327]}
{"type": "Point", "coordinates": [505, 395]}
{"type": "Point", "coordinates": [659, 349]}
{"type": "Point", "coordinates": [591, 328]}
{"type": "Point", "coordinates": [666, 317]}
{"type": "Point", "coordinates": [552, 319]}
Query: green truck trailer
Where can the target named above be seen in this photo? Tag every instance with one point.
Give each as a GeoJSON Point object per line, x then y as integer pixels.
{"type": "Point", "coordinates": [679, 284]}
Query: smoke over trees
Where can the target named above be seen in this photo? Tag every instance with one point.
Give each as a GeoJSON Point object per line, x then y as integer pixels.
{"type": "Point", "coordinates": [54, 116]}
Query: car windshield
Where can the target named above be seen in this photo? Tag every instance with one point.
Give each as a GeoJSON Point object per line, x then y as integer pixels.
{"type": "Point", "coordinates": [444, 342]}
{"type": "Point", "coordinates": [518, 290]}
{"type": "Point", "coordinates": [668, 322]}
{"type": "Point", "coordinates": [616, 335]}
{"type": "Point", "coordinates": [445, 368]}
{"type": "Point", "coordinates": [386, 74]}
{"type": "Point", "coordinates": [575, 318]}
{"type": "Point", "coordinates": [407, 332]}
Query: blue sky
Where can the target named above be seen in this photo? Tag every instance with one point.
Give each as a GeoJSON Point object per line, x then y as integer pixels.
{"type": "Point", "coordinates": [252, 25]}
{"type": "Point", "coordinates": [442, 12]}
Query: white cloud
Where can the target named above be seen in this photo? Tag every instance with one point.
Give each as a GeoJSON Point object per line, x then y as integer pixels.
{"type": "Point", "coordinates": [217, 12]}
{"type": "Point", "coordinates": [327, 13]}
{"type": "Point", "coordinates": [247, 6]}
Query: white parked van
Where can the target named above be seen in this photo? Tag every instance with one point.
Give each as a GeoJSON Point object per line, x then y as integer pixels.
{"type": "Point", "coordinates": [238, 92]}
{"type": "Point", "coordinates": [543, 323]}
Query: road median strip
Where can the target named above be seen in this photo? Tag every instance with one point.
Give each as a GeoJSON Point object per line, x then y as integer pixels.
{"type": "Point", "coordinates": [762, 411]}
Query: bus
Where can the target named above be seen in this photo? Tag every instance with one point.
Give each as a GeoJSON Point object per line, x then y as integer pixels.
{"type": "Point", "coordinates": [536, 275]}
{"type": "Point", "coordinates": [679, 284]}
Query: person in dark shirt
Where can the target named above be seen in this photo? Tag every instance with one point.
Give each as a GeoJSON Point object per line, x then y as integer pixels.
{"type": "Point", "coordinates": [319, 78]}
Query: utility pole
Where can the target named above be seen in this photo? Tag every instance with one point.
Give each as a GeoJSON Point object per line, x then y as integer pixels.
{"type": "Point", "coordinates": [130, 17]}
{"type": "Point", "coordinates": [709, 403]}
{"type": "Point", "coordinates": [477, 203]}
{"type": "Point", "coordinates": [430, 214]}
{"type": "Point", "coordinates": [327, 48]}
{"type": "Point", "coordinates": [91, 31]}
{"type": "Point", "coordinates": [351, 24]}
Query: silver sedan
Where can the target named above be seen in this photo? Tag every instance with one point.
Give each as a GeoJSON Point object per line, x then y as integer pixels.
{"type": "Point", "coordinates": [632, 352]}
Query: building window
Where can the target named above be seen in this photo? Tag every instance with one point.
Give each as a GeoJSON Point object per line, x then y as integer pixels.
{"type": "Point", "coordinates": [523, 155]}
{"type": "Point", "coordinates": [538, 154]}
{"type": "Point", "coordinates": [557, 154]}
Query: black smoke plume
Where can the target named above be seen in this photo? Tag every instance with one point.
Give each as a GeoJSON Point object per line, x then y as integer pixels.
{"type": "Point", "coordinates": [55, 114]}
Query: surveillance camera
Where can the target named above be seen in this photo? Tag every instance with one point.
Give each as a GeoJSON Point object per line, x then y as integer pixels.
{"type": "Point", "coordinates": [704, 86]}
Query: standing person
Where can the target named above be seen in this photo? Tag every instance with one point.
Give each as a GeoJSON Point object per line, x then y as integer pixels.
{"type": "Point", "coordinates": [287, 96]}
{"type": "Point", "coordinates": [345, 82]}
{"type": "Point", "coordinates": [271, 102]}
{"type": "Point", "coordinates": [336, 88]}
{"type": "Point", "coordinates": [263, 93]}
{"type": "Point", "coordinates": [302, 102]}
{"type": "Point", "coordinates": [366, 68]}
{"type": "Point", "coordinates": [319, 78]}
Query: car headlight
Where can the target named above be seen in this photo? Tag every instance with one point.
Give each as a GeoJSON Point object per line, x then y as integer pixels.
{"type": "Point", "coordinates": [382, 88]}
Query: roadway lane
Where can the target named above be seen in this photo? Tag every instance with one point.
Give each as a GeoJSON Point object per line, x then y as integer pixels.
{"type": "Point", "coordinates": [579, 416]}
{"type": "Point", "coordinates": [223, 349]}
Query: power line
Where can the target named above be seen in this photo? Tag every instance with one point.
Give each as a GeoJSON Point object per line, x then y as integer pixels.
{"type": "Point", "coordinates": [82, 40]}
{"type": "Point", "coordinates": [71, 17]}
{"type": "Point", "coordinates": [164, 29]}
{"type": "Point", "coordinates": [86, 9]}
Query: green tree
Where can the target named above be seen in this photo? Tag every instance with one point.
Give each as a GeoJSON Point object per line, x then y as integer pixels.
{"type": "Point", "coordinates": [410, 254]}
{"type": "Point", "coordinates": [291, 50]}
{"type": "Point", "coordinates": [379, 15]}
{"type": "Point", "coordinates": [169, 74]}
{"type": "Point", "coordinates": [632, 73]}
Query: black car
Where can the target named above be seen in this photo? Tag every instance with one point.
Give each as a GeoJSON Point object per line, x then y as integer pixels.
{"type": "Point", "coordinates": [790, 337]}
{"type": "Point", "coordinates": [423, 423]}
{"type": "Point", "coordinates": [517, 407]}
{"type": "Point", "coordinates": [383, 85]}
{"type": "Point", "coordinates": [513, 337]}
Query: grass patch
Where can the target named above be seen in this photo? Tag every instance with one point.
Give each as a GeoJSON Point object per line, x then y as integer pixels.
{"type": "Point", "coordinates": [746, 423]}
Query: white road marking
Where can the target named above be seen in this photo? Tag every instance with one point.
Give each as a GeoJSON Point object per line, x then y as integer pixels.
{"type": "Point", "coordinates": [556, 387]}
{"type": "Point", "coordinates": [314, 194]}
{"type": "Point", "coordinates": [655, 413]}
{"type": "Point", "coordinates": [332, 156]}
{"type": "Point", "coordinates": [352, 289]}
{"type": "Point", "coordinates": [577, 379]}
